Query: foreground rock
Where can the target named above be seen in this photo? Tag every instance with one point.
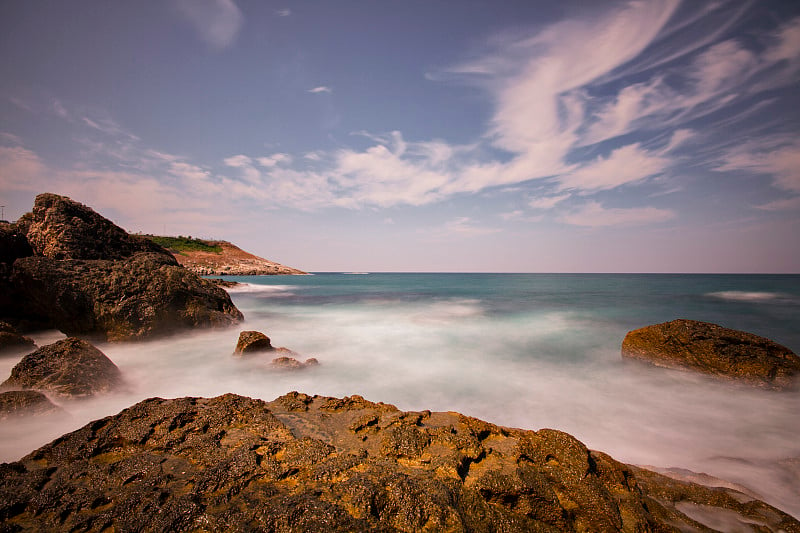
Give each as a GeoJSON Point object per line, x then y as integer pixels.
{"type": "Point", "coordinates": [86, 276]}
{"type": "Point", "coordinates": [324, 464]}
{"type": "Point", "coordinates": [12, 341]}
{"type": "Point", "coordinates": [70, 367]}
{"type": "Point", "coordinates": [21, 403]}
{"type": "Point", "coordinates": [716, 350]}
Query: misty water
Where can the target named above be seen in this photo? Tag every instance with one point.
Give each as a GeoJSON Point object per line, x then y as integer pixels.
{"type": "Point", "coordinates": [528, 351]}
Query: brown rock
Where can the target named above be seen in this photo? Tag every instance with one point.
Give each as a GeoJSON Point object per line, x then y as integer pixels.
{"type": "Point", "coordinates": [18, 403]}
{"type": "Point", "coordinates": [303, 463]}
{"type": "Point", "coordinates": [715, 350]}
{"type": "Point", "coordinates": [60, 228]}
{"type": "Point", "coordinates": [12, 341]}
{"type": "Point", "coordinates": [290, 363]}
{"type": "Point", "coordinates": [90, 278]}
{"type": "Point", "coordinates": [70, 367]}
{"type": "Point", "coordinates": [252, 342]}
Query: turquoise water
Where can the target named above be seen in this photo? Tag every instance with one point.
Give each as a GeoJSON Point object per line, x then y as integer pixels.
{"type": "Point", "coordinates": [521, 350]}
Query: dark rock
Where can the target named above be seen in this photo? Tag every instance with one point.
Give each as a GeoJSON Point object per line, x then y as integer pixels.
{"type": "Point", "coordinates": [18, 403]}
{"type": "Point", "coordinates": [12, 341]}
{"type": "Point", "coordinates": [252, 342]}
{"type": "Point", "coordinates": [224, 283]}
{"type": "Point", "coordinates": [88, 277]}
{"type": "Point", "coordinates": [142, 296]}
{"type": "Point", "coordinates": [716, 350]}
{"type": "Point", "coordinates": [60, 228]}
{"type": "Point", "coordinates": [305, 463]}
{"type": "Point", "coordinates": [13, 243]}
{"type": "Point", "coordinates": [70, 367]}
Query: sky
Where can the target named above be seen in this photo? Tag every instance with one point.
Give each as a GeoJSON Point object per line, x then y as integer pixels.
{"type": "Point", "coordinates": [446, 136]}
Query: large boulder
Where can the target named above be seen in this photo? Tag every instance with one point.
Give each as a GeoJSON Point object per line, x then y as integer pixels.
{"type": "Point", "coordinates": [61, 228]}
{"type": "Point", "coordinates": [70, 367]}
{"type": "Point", "coordinates": [716, 350]}
{"type": "Point", "coordinates": [303, 463]}
{"type": "Point", "coordinates": [134, 298]}
{"type": "Point", "coordinates": [20, 403]}
{"type": "Point", "coordinates": [88, 277]}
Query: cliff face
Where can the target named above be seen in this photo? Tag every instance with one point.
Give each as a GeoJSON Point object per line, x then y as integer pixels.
{"type": "Point", "coordinates": [221, 258]}
{"type": "Point", "coordinates": [303, 463]}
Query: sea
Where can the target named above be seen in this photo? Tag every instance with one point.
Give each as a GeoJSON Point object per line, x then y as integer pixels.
{"type": "Point", "coordinates": [520, 350]}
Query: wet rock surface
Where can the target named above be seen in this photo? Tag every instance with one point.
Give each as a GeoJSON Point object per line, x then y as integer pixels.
{"type": "Point", "coordinates": [303, 463]}
{"type": "Point", "coordinates": [70, 368]}
{"type": "Point", "coordinates": [22, 403]}
{"type": "Point", "coordinates": [715, 350]}
{"type": "Point", "coordinates": [87, 277]}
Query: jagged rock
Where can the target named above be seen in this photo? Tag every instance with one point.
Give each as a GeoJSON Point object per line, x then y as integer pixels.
{"type": "Point", "coordinates": [70, 367]}
{"type": "Point", "coordinates": [60, 228]}
{"type": "Point", "coordinates": [90, 278]}
{"type": "Point", "coordinates": [716, 350]}
{"type": "Point", "coordinates": [252, 342]}
{"type": "Point", "coordinates": [12, 341]}
{"type": "Point", "coordinates": [19, 403]}
{"type": "Point", "coordinates": [303, 463]}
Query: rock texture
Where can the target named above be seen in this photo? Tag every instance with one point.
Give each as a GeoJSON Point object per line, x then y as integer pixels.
{"type": "Point", "coordinates": [60, 228]}
{"type": "Point", "coordinates": [716, 350]}
{"type": "Point", "coordinates": [88, 277]}
{"type": "Point", "coordinates": [19, 403]}
{"type": "Point", "coordinates": [70, 367]}
{"type": "Point", "coordinates": [305, 463]}
{"type": "Point", "coordinates": [12, 341]}
{"type": "Point", "coordinates": [252, 342]}
{"type": "Point", "coordinates": [231, 261]}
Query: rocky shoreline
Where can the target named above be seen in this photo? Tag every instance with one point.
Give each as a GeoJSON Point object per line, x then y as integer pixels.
{"type": "Point", "coordinates": [299, 462]}
{"type": "Point", "coordinates": [312, 463]}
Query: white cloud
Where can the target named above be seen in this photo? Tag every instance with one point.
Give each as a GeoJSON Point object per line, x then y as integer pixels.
{"type": "Point", "coordinates": [593, 214]}
{"type": "Point", "coordinates": [784, 204]}
{"type": "Point", "coordinates": [320, 89]}
{"type": "Point", "coordinates": [466, 227]}
{"type": "Point", "coordinates": [547, 202]}
{"type": "Point", "coordinates": [778, 157]}
{"type": "Point", "coordinates": [217, 22]}
{"type": "Point", "coordinates": [285, 12]}
{"type": "Point", "coordinates": [625, 165]}
{"type": "Point", "coordinates": [274, 159]}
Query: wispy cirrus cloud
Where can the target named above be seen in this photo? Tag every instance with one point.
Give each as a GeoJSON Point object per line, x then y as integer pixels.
{"type": "Point", "coordinates": [593, 214]}
{"type": "Point", "coordinates": [217, 22]}
{"type": "Point", "coordinates": [320, 89]}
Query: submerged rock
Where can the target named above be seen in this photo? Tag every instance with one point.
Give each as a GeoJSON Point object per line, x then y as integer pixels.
{"type": "Point", "coordinates": [290, 363]}
{"type": "Point", "coordinates": [252, 342]}
{"type": "Point", "coordinates": [70, 367]}
{"type": "Point", "coordinates": [88, 277]}
{"type": "Point", "coordinates": [716, 350]}
{"type": "Point", "coordinates": [303, 463]}
{"type": "Point", "coordinates": [19, 403]}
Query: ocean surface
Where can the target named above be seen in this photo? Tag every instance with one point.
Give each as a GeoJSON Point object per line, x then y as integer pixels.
{"type": "Point", "coordinates": [522, 350]}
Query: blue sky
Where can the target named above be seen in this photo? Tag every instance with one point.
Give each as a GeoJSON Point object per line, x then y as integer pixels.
{"type": "Point", "coordinates": [530, 136]}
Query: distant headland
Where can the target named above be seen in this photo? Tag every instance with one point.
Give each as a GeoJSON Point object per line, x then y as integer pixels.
{"type": "Point", "coordinates": [219, 258]}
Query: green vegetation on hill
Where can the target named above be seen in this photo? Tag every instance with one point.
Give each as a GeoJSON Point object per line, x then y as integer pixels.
{"type": "Point", "coordinates": [181, 244]}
